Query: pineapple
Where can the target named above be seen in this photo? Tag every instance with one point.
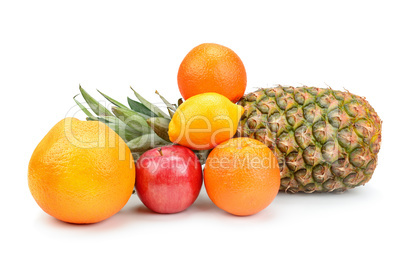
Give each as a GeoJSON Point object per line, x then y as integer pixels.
{"type": "Point", "coordinates": [325, 140]}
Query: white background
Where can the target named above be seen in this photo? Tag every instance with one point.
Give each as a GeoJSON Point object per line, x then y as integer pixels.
{"type": "Point", "coordinates": [48, 48]}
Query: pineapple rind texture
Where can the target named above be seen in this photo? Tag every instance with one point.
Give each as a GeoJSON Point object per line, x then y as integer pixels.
{"type": "Point", "coordinates": [325, 140]}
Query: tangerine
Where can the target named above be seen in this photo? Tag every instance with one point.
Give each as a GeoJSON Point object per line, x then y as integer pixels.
{"type": "Point", "coordinates": [241, 176]}
{"type": "Point", "coordinates": [212, 68]}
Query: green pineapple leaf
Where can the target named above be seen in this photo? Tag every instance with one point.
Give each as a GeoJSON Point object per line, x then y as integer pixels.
{"type": "Point", "coordinates": [95, 106]}
{"type": "Point", "coordinates": [92, 118]}
{"type": "Point", "coordinates": [85, 110]}
{"type": "Point", "coordinates": [140, 108]}
{"type": "Point", "coordinates": [171, 107]}
{"type": "Point", "coordinates": [115, 102]}
{"type": "Point", "coordinates": [150, 106]}
{"type": "Point", "coordinates": [160, 126]}
{"type": "Point", "coordinates": [122, 129]}
{"type": "Point", "coordinates": [146, 142]}
{"type": "Point", "coordinates": [132, 119]}
{"type": "Point", "coordinates": [168, 104]}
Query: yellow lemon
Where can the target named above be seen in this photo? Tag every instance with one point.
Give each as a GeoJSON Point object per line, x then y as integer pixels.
{"type": "Point", "coordinates": [204, 121]}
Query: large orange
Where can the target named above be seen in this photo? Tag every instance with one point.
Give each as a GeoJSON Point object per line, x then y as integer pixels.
{"type": "Point", "coordinates": [242, 176]}
{"type": "Point", "coordinates": [212, 68]}
{"type": "Point", "coordinates": [81, 172]}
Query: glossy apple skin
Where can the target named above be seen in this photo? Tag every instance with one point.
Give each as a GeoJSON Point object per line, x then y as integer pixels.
{"type": "Point", "coordinates": [168, 178]}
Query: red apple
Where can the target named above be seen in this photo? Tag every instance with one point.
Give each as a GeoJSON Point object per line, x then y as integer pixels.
{"type": "Point", "coordinates": [168, 179]}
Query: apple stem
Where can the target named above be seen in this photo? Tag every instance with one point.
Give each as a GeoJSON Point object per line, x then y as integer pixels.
{"type": "Point", "coordinates": [160, 151]}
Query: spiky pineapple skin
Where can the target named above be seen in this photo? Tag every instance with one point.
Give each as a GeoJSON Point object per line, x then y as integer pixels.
{"type": "Point", "coordinates": [325, 140]}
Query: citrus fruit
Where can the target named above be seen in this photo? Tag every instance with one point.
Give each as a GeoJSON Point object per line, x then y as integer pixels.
{"type": "Point", "coordinates": [242, 176]}
{"type": "Point", "coordinates": [81, 172]}
{"type": "Point", "coordinates": [212, 68]}
{"type": "Point", "coordinates": [205, 120]}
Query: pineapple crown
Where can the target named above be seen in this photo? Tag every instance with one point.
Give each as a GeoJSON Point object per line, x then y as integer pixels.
{"type": "Point", "coordinates": [141, 124]}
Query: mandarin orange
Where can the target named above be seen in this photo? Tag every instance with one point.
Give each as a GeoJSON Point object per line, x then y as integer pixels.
{"type": "Point", "coordinates": [212, 68]}
{"type": "Point", "coordinates": [242, 176]}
